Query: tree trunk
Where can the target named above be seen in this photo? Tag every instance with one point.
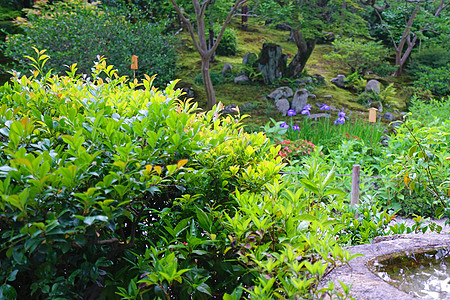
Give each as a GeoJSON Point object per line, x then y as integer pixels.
{"type": "Point", "coordinates": [304, 49]}
{"type": "Point", "coordinates": [209, 89]}
{"type": "Point", "coordinates": [211, 38]}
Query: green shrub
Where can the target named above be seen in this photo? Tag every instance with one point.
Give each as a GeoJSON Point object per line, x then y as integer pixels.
{"type": "Point", "coordinates": [437, 80]}
{"type": "Point", "coordinates": [434, 57]}
{"type": "Point", "coordinates": [113, 189]}
{"type": "Point", "coordinates": [77, 32]}
{"type": "Point", "coordinates": [216, 78]}
{"type": "Point", "coordinates": [359, 56]}
{"type": "Point", "coordinates": [228, 43]}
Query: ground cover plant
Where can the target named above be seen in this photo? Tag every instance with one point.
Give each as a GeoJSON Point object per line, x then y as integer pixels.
{"type": "Point", "coordinates": [114, 189]}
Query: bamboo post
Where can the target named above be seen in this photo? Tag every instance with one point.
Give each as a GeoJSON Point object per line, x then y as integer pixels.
{"type": "Point", "coordinates": [355, 186]}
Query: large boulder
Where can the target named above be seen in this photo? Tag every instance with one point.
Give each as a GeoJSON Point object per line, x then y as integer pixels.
{"type": "Point", "coordinates": [339, 81]}
{"type": "Point", "coordinates": [272, 62]}
{"type": "Point", "coordinates": [281, 92]}
{"type": "Point", "coordinates": [282, 105]}
{"type": "Point", "coordinates": [373, 86]}
{"type": "Point", "coordinates": [300, 100]}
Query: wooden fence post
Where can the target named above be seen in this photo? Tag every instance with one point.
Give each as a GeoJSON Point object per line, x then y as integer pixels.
{"type": "Point", "coordinates": [355, 186]}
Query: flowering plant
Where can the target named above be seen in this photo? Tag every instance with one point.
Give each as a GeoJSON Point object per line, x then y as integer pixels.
{"type": "Point", "coordinates": [295, 150]}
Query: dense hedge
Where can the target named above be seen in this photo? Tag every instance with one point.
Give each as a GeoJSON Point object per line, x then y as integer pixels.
{"type": "Point", "coordinates": [77, 32]}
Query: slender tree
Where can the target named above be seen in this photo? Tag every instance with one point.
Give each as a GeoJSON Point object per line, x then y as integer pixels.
{"type": "Point", "coordinates": [419, 16]}
{"type": "Point", "coordinates": [202, 44]}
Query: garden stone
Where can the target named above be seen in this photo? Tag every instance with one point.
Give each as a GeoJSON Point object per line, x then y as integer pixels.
{"type": "Point", "coordinates": [312, 96]}
{"type": "Point", "coordinates": [384, 141]}
{"type": "Point", "coordinates": [328, 96]}
{"type": "Point", "coordinates": [226, 68]}
{"type": "Point", "coordinates": [300, 100]}
{"type": "Point", "coordinates": [333, 108]}
{"type": "Point", "coordinates": [248, 58]}
{"type": "Point", "coordinates": [272, 62]}
{"type": "Point", "coordinates": [319, 115]}
{"type": "Point", "coordinates": [339, 81]}
{"type": "Point", "coordinates": [281, 92]}
{"type": "Point", "coordinates": [282, 105]}
{"type": "Point", "coordinates": [189, 92]}
{"type": "Point", "coordinates": [378, 105]}
{"type": "Point", "coordinates": [389, 116]}
{"type": "Point", "coordinates": [373, 86]}
{"type": "Point", "coordinates": [283, 27]}
{"type": "Point", "coordinates": [241, 79]}
{"type": "Point", "coordinates": [307, 80]}
{"type": "Point", "coordinates": [319, 78]}
{"type": "Point", "coordinates": [396, 124]}
{"type": "Point", "coordinates": [230, 109]}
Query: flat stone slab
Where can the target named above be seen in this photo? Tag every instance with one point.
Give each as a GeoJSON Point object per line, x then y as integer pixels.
{"type": "Point", "coordinates": [365, 284]}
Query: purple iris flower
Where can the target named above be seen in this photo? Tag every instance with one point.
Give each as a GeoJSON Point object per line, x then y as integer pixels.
{"type": "Point", "coordinates": [305, 112]}
{"type": "Point", "coordinates": [296, 127]}
{"type": "Point", "coordinates": [341, 114]}
{"type": "Point", "coordinates": [291, 113]}
{"type": "Point", "coordinates": [339, 121]}
{"type": "Point", "coordinates": [284, 125]}
{"type": "Point", "coordinates": [325, 107]}
{"type": "Point", "coordinates": [307, 107]}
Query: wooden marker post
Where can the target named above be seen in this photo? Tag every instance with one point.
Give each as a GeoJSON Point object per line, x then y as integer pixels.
{"type": "Point", "coordinates": [355, 187]}
{"type": "Point", "coordinates": [372, 115]}
{"type": "Point", "coordinates": [372, 119]}
{"type": "Point", "coordinates": [134, 65]}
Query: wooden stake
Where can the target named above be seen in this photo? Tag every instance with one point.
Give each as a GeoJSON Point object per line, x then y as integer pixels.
{"type": "Point", "coordinates": [355, 186]}
{"type": "Point", "coordinates": [372, 115]}
{"type": "Point", "coordinates": [134, 65]}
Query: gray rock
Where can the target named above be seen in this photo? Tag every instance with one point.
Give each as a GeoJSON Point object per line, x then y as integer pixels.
{"type": "Point", "coordinates": [272, 62]}
{"type": "Point", "coordinates": [339, 81]}
{"type": "Point", "coordinates": [189, 92]}
{"type": "Point", "coordinates": [384, 141]}
{"type": "Point", "coordinates": [282, 105]}
{"type": "Point", "coordinates": [319, 78]}
{"type": "Point", "coordinates": [328, 96]}
{"type": "Point", "coordinates": [281, 92]}
{"type": "Point", "coordinates": [307, 80]}
{"type": "Point", "coordinates": [389, 116]}
{"type": "Point", "coordinates": [226, 68]}
{"type": "Point", "coordinates": [312, 96]}
{"type": "Point", "coordinates": [249, 58]}
{"type": "Point", "coordinates": [333, 108]}
{"type": "Point", "coordinates": [319, 115]}
{"type": "Point", "coordinates": [396, 124]}
{"type": "Point", "coordinates": [300, 100]}
{"type": "Point", "coordinates": [373, 86]}
{"type": "Point", "coordinates": [378, 105]}
{"type": "Point", "coordinates": [241, 79]}
{"type": "Point", "coordinates": [283, 27]}
{"type": "Point", "coordinates": [230, 109]}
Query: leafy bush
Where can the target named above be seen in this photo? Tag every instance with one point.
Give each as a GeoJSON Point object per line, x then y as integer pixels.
{"type": "Point", "coordinates": [77, 32]}
{"type": "Point", "coordinates": [113, 189]}
{"type": "Point", "coordinates": [437, 80]}
{"type": "Point", "coordinates": [359, 56]}
{"type": "Point", "coordinates": [434, 57]}
{"type": "Point", "coordinates": [228, 43]}
{"type": "Point", "coordinates": [216, 78]}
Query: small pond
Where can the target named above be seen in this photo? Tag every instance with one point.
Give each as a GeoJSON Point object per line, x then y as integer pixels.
{"type": "Point", "coordinates": [424, 273]}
